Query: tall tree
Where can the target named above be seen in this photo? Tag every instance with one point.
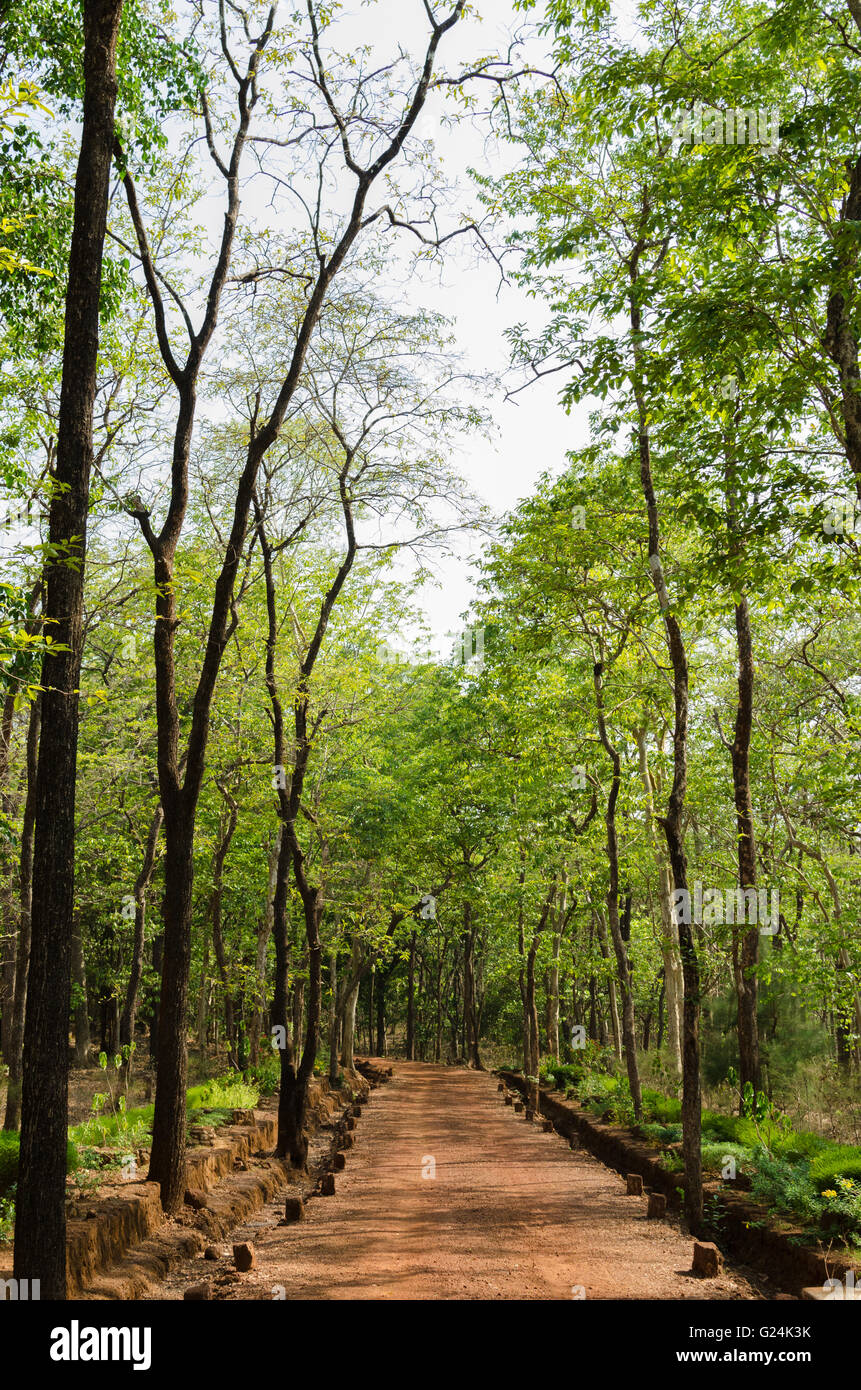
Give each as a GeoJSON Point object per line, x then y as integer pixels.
{"type": "Point", "coordinates": [40, 1226]}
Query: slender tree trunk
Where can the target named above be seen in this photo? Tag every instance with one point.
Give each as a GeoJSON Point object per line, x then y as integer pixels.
{"type": "Point", "coordinates": [615, 1022]}
{"type": "Point", "coordinates": [437, 1051]}
{"type": "Point", "coordinates": [620, 946]}
{"type": "Point", "coordinates": [672, 822]}
{"type": "Point", "coordinates": [264, 932]}
{"type": "Point", "coordinates": [411, 1002]}
{"type": "Point", "coordinates": [202, 1027]}
{"type": "Point", "coordinates": [167, 1156]}
{"type": "Point", "coordinates": [40, 1222]}
{"type": "Point", "coordinates": [22, 957]}
{"type": "Point", "coordinates": [531, 1005]}
{"type": "Point", "coordinates": [142, 883]}
{"type": "Point", "coordinates": [660, 1035]}
{"type": "Point", "coordinates": [157, 963]}
{"type": "Point", "coordinates": [470, 1016]}
{"type": "Point", "coordinates": [80, 1008]}
{"type": "Point", "coordinates": [532, 1022]}
{"type": "Point", "coordinates": [745, 945]}
{"type": "Point", "coordinates": [215, 912]}
{"type": "Point", "coordinates": [674, 986]}
{"type": "Point", "coordinates": [333, 1017]}
{"type": "Point", "coordinates": [553, 977]}
{"type": "Point", "coordinates": [381, 1015]}
{"type": "Point", "coordinates": [8, 932]}
{"type": "Point", "coordinates": [840, 340]}
{"type": "Point", "coordinates": [348, 1037]}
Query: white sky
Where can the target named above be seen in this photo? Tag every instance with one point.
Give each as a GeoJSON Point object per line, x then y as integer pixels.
{"type": "Point", "coordinates": [533, 432]}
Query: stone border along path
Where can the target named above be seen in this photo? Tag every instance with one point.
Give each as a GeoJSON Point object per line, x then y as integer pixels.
{"type": "Point", "coordinates": [121, 1265]}
{"type": "Point", "coordinates": [510, 1213]}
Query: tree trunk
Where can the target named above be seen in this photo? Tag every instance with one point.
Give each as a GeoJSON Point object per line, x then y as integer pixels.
{"type": "Point", "coordinates": [157, 964]}
{"type": "Point", "coordinates": [672, 822]}
{"type": "Point", "coordinates": [40, 1224]}
{"type": "Point", "coordinates": [669, 935]}
{"type": "Point", "coordinates": [142, 882]}
{"type": "Point", "coordinates": [22, 956]}
{"type": "Point", "coordinates": [203, 998]}
{"type": "Point", "coordinates": [532, 1022]}
{"type": "Point", "coordinates": [470, 1015]}
{"type": "Point", "coordinates": [215, 912]}
{"type": "Point", "coordinates": [381, 1015]}
{"type": "Point", "coordinates": [745, 945]}
{"type": "Point", "coordinates": [615, 1023]}
{"type": "Point", "coordinates": [411, 1001]}
{"type": "Point", "coordinates": [80, 1007]}
{"type": "Point", "coordinates": [264, 931]}
{"type": "Point", "coordinates": [333, 1017]}
{"type": "Point", "coordinates": [167, 1157]}
{"type": "Point", "coordinates": [620, 945]}
{"type": "Point", "coordinates": [348, 1037]}
{"type": "Point", "coordinates": [553, 978]}
{"type": "Point", "coordinates": [8, 914]}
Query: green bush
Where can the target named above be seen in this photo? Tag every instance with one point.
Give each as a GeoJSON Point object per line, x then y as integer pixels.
{"type": "Point", "coordinates": [9, 1142]}
{"type": "Point", "coordinates": [720, 1126]}
{"type": "Point", "coordinates": [561, 1074]}
{"type": "Point", "coordinates": [662, 1134]}
{"type": "Point", "coordinates": [716, 1153]}
{"type": "Point", "coordinates": [665, 1110]}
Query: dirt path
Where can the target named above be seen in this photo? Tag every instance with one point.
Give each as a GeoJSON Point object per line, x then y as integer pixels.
{"type": "Point", "coordinates": [511, 1213]}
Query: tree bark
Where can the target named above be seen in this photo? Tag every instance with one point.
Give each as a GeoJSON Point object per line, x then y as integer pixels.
{"type": "Point", "coordinates": [40, 1224]}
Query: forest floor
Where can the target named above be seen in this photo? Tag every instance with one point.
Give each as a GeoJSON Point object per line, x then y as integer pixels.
{"type": "Point", "coordinates": [511, 1213]}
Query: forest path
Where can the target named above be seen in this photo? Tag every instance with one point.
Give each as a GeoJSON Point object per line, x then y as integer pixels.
{"type": "Point", "coordinates": [512, 1212]}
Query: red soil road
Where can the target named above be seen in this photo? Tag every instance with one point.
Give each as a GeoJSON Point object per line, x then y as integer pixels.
{"type": "Point", "coordinates": [512, 1212]}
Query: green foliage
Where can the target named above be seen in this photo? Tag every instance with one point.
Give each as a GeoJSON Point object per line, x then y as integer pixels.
{"type": "Point", "coordinates": [790, 1188]}
{"type": "Point", "coordinates": [7, 1217]}
{"type": "Point", "coordinates": [265, 1076]}
{"type": "Point", "coordinates": [126, 1129]}
{"type": "Point", "coordinates": [561, 1074]}
{"type": "Point", "coordinates": [664, 1110]}
{"type": "Point", "coordinates": [715, 1154]}
{"type": "Point", "coordinates": [720, 1126]}
{"type": "Point", "coordinates": [225, 1093]}
{"type": "Point", "coordinates": [661, 1133]}
{"type": "Point", "coordinates": [837, 1165]}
